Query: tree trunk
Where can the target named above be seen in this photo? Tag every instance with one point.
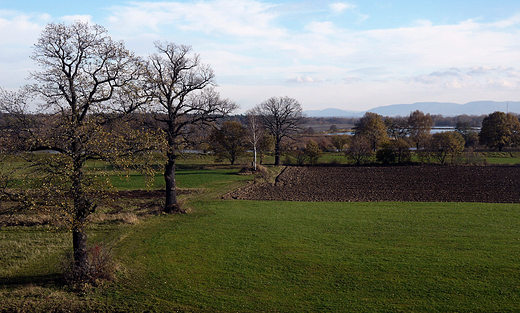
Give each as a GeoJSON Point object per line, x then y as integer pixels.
{"type": "Point", "coordinates": [171, 205]}
{"type": "Point", "coordinates": [82, 208]}
{"type": "Point", "coordinates": [254, 159]}
{"type": "Point", "coordinates": [79, 246]}
{"type": "Point", "coordinates": [277, 153]}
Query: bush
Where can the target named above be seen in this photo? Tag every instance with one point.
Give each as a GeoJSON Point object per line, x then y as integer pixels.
{"type": "Point", "coordinates": [386, 155]}
{"type": "Point", "coordinates": [100, 267]}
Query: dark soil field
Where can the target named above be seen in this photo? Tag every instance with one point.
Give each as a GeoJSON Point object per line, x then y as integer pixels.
{"type": "Point", "coordinates": [427, 183]}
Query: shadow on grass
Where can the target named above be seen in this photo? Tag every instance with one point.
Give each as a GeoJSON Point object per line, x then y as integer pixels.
{"type": "Point", "coordinates": [40, 280]}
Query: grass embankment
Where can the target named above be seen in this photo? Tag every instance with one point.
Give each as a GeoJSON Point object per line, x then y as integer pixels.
{"type": "Point", "coordinates": [250, 256]}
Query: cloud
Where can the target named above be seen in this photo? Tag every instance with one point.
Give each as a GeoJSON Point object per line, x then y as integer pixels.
{"type": "Point", "coordinates": [451, 72]}
{"type": "Point", "coordinates": [512, 21]}
{"type": "Point", "coordinates": [74, 18]}
{"type": "Point", "coordinates": [243, 18]}
{"type": "Point", "coordinates": [351, 80]}
{"type": "Point", "coordinates": [324, 28]}
{"type": "Point", "coordinates": [480, 70]}
{"type": "Point", "coordinates": [20, 29]}
{"type": "Point", "coordinates": [339, 7]}
{"type": "Point", "coordinates": [260, 44]}
{"type": "Point", "coordinates": [304, 80]}
{"type": "Point", "coordinates": [475, 78]}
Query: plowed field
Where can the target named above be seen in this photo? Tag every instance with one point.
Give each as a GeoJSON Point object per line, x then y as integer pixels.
{"type": "Point", "coordinates": [492, 184]}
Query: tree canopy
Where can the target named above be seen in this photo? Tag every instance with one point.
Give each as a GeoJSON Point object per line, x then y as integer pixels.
{"type": "Point", "coordinates": [372, 127]}
{"type": "Point", "coordinates": [499, 130]}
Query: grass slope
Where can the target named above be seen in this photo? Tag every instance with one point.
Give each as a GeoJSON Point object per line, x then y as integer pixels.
{"type": "Point", "coordinates": [277, 256]}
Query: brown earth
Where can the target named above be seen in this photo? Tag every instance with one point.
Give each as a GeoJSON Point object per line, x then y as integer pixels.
{"type": "Point", "coordinates": [426, 183]}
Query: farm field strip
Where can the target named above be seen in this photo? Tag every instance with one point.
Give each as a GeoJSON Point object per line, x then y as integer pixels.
{"type": "Point", "coordinates": [428, 183]}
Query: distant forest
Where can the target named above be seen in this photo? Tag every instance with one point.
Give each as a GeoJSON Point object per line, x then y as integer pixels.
{"type": "Point", "coordinates": [438, 120]}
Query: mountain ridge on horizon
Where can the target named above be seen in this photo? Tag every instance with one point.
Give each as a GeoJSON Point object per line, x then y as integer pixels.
{"type": "Point", "coordinates": [433, 108]}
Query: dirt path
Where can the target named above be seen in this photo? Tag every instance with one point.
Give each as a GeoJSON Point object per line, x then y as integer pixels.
{"type": "Point", "coordinates": [492, 184]}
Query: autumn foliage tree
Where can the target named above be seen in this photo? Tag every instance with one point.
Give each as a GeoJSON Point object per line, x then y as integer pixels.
{"type": "Point", "coordinates": [372, 127]}
{"type": "Point", "coordinates": [499, 130]}
{"type": "Point", "coordinates": [419, 127]}
{"type": "Point", "coordinates": [444, 144]}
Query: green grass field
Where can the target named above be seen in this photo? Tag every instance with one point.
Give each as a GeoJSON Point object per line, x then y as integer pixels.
{"type": "Point", "coordinates": [351, 257]}
{"type": "Point", "coordinates": [250, 256]}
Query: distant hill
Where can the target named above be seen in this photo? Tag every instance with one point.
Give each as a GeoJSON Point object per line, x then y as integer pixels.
{"type": "Point", "coordinates": [442, 108]}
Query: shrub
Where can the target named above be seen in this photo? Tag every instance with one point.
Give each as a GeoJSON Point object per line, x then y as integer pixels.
{"type": "Point", "coordinates": [100, 267]}
{"type": "Point", "coordinates": [312, 152]}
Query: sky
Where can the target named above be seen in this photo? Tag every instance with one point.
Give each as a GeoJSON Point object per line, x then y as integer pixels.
{"type": "Point", "coordinates": [350, 55]}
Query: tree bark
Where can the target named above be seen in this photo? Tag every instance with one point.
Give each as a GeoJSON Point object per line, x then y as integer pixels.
{"type": "Point", "coordinates": [79, 246]}
{"type": "Point", "coordinates": [81, 211]}
{"type": "Point", "coordinates": [170, 205]}
{"type": "Point", "coordinates": [277, 153]}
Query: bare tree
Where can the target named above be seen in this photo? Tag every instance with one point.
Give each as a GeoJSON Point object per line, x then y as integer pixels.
{"type": "Point", "coordinates": [360, 149]}
{"type": "Point", "coordinates": [255, 132]}
{"type": "Point", "coordinates": [229, 141]}
{"type": "Point", "coordinates": [182, 96]}
{"type": "Point", "coordinates": [83, 75]}
{"type": "Point", "coordinates": [282, 117]}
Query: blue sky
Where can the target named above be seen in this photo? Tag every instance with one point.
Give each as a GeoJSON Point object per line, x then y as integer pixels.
{"type": "Point", "coordinates": [352, 55]}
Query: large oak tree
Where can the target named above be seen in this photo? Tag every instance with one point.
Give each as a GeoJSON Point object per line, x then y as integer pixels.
{"type": "Point", "coordinates": [183, 97]}
{"type": "Point", "coordinates": [83, 75]}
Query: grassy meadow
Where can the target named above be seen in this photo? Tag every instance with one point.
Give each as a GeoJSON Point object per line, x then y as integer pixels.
{"type": "Point", "coordinates": [250, 256]}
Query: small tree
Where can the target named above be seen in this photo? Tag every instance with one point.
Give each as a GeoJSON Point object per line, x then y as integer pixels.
{"type": "Point", "coordinates": [265, 145]}
{"type": "Point", "coordinates": [360, 150]}
{"type": "Point", "coordinates": [313, 152]}
{"type": "Point", "coordinates": [395, 151]}
{"type": "Point", "coordinates": [340, 141]}
{"type": "Point", "coordinates": [446, 143]}
{"type": "Point", "coordinates": [229, 142]}
{"type": "Point", "coordinates": [419, 127]}
{"type": "Point", "coordinates": [372, 128]}
{"type": "Point", "coordinates": [282, 117]}
{"type": "Point", "coordinates": [255, 132]}
{"type": "Point", "coordinates": [470, 136]}
{"type": "Point", "coordinates": [397, 127]}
